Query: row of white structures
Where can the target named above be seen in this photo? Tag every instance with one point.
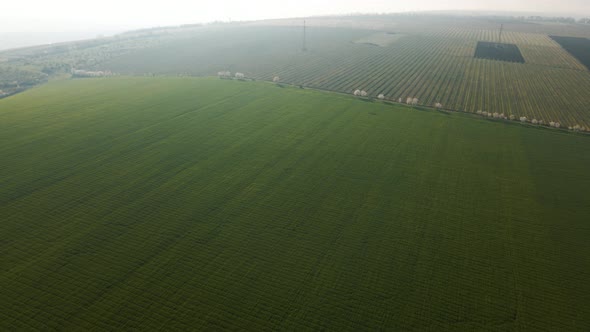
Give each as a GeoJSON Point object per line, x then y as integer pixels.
{"type": "Point", "coordinates": [414, 101]}
{"type": "Point", "coordinates": [523, 119]}
{"type": "Point", "coordinates": [240, 76]}
{"type": "Point", "coordinates": [409, 101]}
{"type": "Point", "coordinates": [227, 74]}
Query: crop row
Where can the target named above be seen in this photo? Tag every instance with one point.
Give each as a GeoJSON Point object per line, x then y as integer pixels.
{"type": "Point", "coordinates": [418, 66]}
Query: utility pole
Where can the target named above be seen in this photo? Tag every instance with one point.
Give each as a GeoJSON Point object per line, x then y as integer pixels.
{"type": "Point", "coordinates": [304, 49]}
{"type": "Point", "coordinates": [501, 29]}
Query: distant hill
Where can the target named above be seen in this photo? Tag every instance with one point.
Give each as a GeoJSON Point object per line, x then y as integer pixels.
{"type": "Point", "coordinates": [428, 57]}
{"type": "Point", "coordinates": [12, 40]}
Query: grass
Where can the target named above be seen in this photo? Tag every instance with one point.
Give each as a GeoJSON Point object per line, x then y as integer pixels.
{"type": "Point", "coordinates": [432, 61]}
{"type": "Point", "coordinates": [205, 204]}
{"type": "Point", "coordinates": [421, 56]}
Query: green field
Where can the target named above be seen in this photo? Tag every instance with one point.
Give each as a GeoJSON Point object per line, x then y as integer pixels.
{"type": "Point", "coordinates": [182, 203]}
{"type": "Point", "coordinates": [428, 57]}
{"type": "Point", "coordinates": [432, 59]}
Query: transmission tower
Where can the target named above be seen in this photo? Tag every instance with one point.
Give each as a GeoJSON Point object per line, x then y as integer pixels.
{"type": "Point", "coordinates": [304, 49]}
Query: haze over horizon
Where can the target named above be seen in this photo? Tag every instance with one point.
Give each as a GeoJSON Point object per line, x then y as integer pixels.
{"type": "Point", "coordinates": [39, 22]}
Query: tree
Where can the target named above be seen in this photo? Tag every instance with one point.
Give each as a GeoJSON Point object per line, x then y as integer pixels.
{"type": "Point", "coordinates": [399, 100]}
{"type": "Point", "coordinates": [409, 101]}
{"type": "Point", "coordinates": [523, 119]}
{"type": "Point", "coordinates": [240, 76]}
{"type": "Point", "coordinates": [512, 117]}
{"type": "Point", "coordinates": [535, 121]}
{"type": "Point", "coordinates": [357, 92]}
{"type": "Point", "coordinates": [438, 106]}
{"type": "Point", "coordinates": [364, 93]}
{"type": "Point", "coordinates": [276, 79]}
{"type": "Point", "coordinates": [479, 112]}
{"type": "Point", "coordinates": [415, 101]}
{"type": "Point", "coordinates": [381, 96]}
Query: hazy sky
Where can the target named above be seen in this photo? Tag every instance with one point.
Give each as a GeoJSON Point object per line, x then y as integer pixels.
{"type": "Point", "coordinates": [44, 21]}
{"type": "Point", "coordinates": [22, 15]}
